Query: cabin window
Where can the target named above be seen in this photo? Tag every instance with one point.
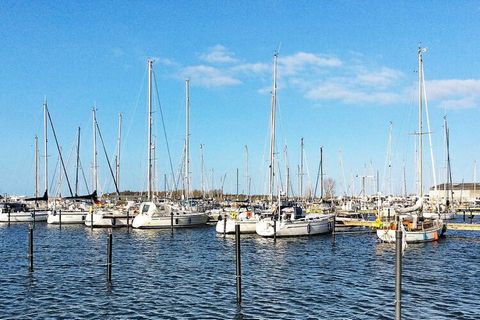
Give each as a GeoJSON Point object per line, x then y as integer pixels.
{"type": "Point", "coordinates": [145, 208]}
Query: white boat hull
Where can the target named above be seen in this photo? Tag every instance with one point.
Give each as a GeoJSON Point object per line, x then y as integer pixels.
{"type": "Point", "coordinates": [182, 220]}
{"type": "Point", "coordinates": [228, 226]}
{"type": "Point", "coordinates": [301, 227]}
{"type": "Point", "coordinates": [24, 216]}
{"type": "Point", "coordinates": [151, 217]}
{"type": "Point", "coordinates": [66, 217]}
{"type": "Point", "coordinates": [108, 220]}
{"type": "Point", "coordinates": [427, 235]}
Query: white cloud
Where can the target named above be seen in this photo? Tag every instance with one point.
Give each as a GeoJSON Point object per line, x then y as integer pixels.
{"type": "Point", "coordinates": [300, 61]}
{"type": "Point", "coordinates": [454, 93]}
{"type": "Point", "coordinates": [249, 68]}
{"type": "Point", "coordinates": [384, 77]}
{"type": "Point", "coordinates": [349, 95]}
{"type": "Point", "coordinates": [209, 76]}
{"type": "Point", "coordinates": [328, 78]}
{"type": "Point", "coordinates": [218, 54]}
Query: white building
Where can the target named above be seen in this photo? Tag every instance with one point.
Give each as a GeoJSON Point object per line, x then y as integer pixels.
{"type": "Point", "coordinates": [462, 192]}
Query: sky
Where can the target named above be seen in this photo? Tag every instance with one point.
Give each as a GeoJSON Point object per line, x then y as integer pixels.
{"type": "Point", "coordinates": [347, 77]}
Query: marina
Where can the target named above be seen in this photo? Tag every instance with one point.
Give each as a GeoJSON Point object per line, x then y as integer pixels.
{"type": "Point", "coordinates": [192, 272]}
{"type": "Point", "coordinates": [239, 160]}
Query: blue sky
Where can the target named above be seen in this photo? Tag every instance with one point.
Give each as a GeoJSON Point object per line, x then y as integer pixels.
{"type": "Point", "coordinates": [346, 69]}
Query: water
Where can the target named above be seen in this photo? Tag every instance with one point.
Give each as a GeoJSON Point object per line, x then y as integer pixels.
{"type": "Point", "coordinates": [192, 275]}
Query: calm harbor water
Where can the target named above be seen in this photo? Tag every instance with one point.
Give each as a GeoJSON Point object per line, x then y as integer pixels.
{"type": "Point", "coordinates": [191, 275]}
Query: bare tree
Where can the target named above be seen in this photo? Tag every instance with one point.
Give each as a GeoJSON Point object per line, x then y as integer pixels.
{"type": "Point", "coordinates": [329, 185]}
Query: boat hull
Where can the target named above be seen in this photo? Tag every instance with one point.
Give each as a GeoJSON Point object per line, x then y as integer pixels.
{"type": "Point", "coordinates": [40, 216]}
{"type": "Point", "coordinates": [108, 220]}
{"type": "Point", "coordinates": [185, 220]}
{"type": "Point", "coordinates": [66, 217]}
{"type": "Point", "coordinates": [228, 226]}
{"type": "Point", "coordinates": [265, 228]}
{"type": "Point", "coordinates": [426, 235]}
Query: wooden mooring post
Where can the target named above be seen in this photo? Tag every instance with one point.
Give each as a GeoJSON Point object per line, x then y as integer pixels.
{"type": "Point", "coordinates": [30, 248]}
{"type": "Point", "coordinates": [109, 256]}
{"type": "Point", "coordinates": [398, 271]}
{"type": "Point", "coordinates": [238, 264]}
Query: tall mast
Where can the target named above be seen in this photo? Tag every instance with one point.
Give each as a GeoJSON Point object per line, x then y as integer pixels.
{"type": "Point", "coordinates": [187, 140]}
{"type": "Point", "coordinates": [94, 169]}
{"type": "Point", "coordinates": [78, 162]}
{"type": "Point", "coordinates": [321, 173]}
{"type": "Point", "coordinates": [118, 149]}
{"type": "Point", "coordinates": [201, 171]}
{"type": "Point", "coordinates": [247, 191]}
{"type": "Point", "coordinates": [271, 176]}
{"type": "Point", "coordinates": [150, 71]}
{"type": "Point", "coordinates": [301, 168]}
{"type": "Point", "coordinates": [45, 138]}
{"type": "Point", "coordinates": [37, 182]}
{"type": "Point", "coordinates": [287, 175]}
{"type": "Point", "coordinates": [420, 129]}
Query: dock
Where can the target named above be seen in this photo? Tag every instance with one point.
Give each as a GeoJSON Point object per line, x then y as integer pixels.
{"type": "Point", "coordinates": [463, 226]}
{"type": "Point", "coordinates": [450, 226]}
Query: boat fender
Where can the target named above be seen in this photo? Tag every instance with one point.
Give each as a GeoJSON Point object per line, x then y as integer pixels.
{"type": "Point", "coordinates": [114, 221]}
{"type": "Point", "coordinates": [308, 228]}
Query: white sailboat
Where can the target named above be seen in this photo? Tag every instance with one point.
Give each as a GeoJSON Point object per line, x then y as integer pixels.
{"type": "Point", "coordinates": [416, 227]}
{"type": "Point", "coordinates": [159, 216]}
{"type": "Point", "coordinates": [288, 221]}
{"type": "Point", "coordinates": [245, 217]}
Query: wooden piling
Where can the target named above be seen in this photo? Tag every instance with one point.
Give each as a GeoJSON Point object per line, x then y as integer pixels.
{"type": "Point", "coordinates": [398, 271]}
{"type": "Point", "coordinates": [60, 218]}
{"type": "Point", "coordinates": [224, 225]}
{"type": "Point", "coordinates": [274, 229]}
{"type": "Point", "coordinates": [30, 248]}
{"type": "Point", "coordinates": [109, 256]}
{"type": "Point", "coordinates": [128, 220]}
{"type": "Point", "coordinates": [238, 264]}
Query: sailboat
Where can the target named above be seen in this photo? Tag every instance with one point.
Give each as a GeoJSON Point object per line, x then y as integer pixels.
{"type": "Point", "coordinates": [18, 211]}
{"type": "Point", "coordinates": [287, 220]}
{"type": "Point", "coordinates": [416, 227]}
{"type": "Point", "coordinates": [154, 215]}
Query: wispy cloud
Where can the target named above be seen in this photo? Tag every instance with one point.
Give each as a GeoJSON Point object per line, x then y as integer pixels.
{"type": "Point", "coordinates": [351, 95]}
{"type": "Point", "coordinates": [351, 80]}
{"type": "Point", "coordinates": [454, 93]}
{"type": "Point", "coordinates": [293, 64]}
{"type": "Point", "coordinates": [209, 76]}
{"type": "Point", "coordinates": [218, 54]}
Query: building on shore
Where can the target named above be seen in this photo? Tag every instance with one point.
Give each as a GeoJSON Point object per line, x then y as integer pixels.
{"type": "Point", "coordinates": [462, 192]}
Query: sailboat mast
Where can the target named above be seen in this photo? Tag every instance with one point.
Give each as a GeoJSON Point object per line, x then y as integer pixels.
{"type": "Point", "coordinates": [187, 140]}
{"type": "Point", "coordinates": [321, 173]}
{"type": "Point", "coordinates": [45, 138]}
{"type": "Point", "coordinates": [202, 175]}
{"type": "Point", "coordinates": [78, 162]}
{"type": "Point", "coordinates": [150, 71]}
{"type": "Point", "coordinates": [94, 169]}
{"type": "Point", "coordinates": [272, 128]}
{"type": "Point", "coordinates": [287, 176]}
{"type": "Point", "coordinates": [301, 168]}
{"type": "Point", "coordinates": [420, 133]}
{"type": "Point", "coordinates": [247, 191]}
{"type": "Point", "coordinates": [118, 148]}
{"type": "Point", "coordinates": [37, 182]}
